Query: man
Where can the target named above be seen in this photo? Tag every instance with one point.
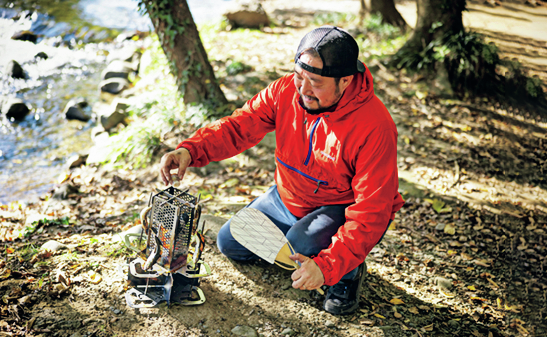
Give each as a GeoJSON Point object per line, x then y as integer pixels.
{"type": "Point", "coordinates": [336, 155]}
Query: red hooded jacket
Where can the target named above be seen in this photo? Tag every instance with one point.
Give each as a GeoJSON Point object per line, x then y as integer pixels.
{"type": "Point", "coordinates": [348, 156]}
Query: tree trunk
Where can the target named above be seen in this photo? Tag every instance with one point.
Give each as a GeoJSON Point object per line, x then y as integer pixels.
{"type": "Point", "coordinates": [436, 19]}
{"type": "Point", "coordinates": [182, 45]}
{"type": "Point", "coordinates": [389, 13]}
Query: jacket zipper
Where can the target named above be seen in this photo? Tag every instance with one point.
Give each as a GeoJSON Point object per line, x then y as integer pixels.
{"type": "Point", "coordinates": [311, 139]}
{"type": "Point", "coordinates": [319, 182]}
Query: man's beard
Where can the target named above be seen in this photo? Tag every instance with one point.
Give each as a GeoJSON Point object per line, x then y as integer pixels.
{"type": "Point", "coordinates": [320, 108]}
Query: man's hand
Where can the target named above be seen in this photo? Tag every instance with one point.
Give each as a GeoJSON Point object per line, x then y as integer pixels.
{"type": "Point", "coordinates": [308, 276]}
{"type": "Point", "coordinates": [178, 159]}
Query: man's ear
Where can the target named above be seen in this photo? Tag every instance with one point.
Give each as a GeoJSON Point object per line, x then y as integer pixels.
{"type": "Point", "coordinates": [345, 82]}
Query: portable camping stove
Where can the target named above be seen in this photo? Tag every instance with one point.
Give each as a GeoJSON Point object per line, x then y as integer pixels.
{"type": "Point", "coordinates": [170, 266]}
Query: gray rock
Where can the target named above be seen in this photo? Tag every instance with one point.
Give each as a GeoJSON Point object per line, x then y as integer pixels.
{"type": "Point", "coordinates": [79, 102]}
{"type": "Point", "coordinates": [111, 121]}
{"type": "Point", "coordinates": [77, 160]}
{"type": "Point", "coordinates": [74, 112]}
{"type": "Point", "coordinates": [288, 332]}
{"type": "Point", "coordinates": [53, 246]}
{"type": "Point", "coordinates": [35, 218]}
{"type": "Point", "coordinates": [96, 131]}
{"type": "Point", "coordinates": [117, 69]}
{"type": "Point", "coordinates": [14, 69]}
{"type": "Point", "coordinates": [14, 108]}
{"type": "Point", "coordinates": [440, 226]}
{"type": "Point", "coordinates": [120, 237]}
{"type": "Point", "coordinates": [127, 54]}
{"type": "Point", "coordinates": [25, 35]}
{"type": "Point", "coordinates": [247, 14]}
{"type": "Point", "coordinates": [444, 283]}
{"type": "Point", "coordinates": [114, 85]}
{"type": "Point", "coordinates": [329, 324]}
{"type": "Point", "coordinates": [62, 192]}
{"type": "Point", "coordinates": [111, 115]}
{"type": "Point", "coordinates": [41, 55]}
{"type": "Point", "coordinates": [145, 62]}
{"type": "Point", "coordinates": [243, 330]}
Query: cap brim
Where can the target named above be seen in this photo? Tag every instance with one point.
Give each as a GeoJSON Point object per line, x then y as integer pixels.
{"type": "Point", "coordinates": [361, 67]}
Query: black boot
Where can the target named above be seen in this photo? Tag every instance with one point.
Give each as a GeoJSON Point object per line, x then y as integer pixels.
{"type": "Point", "coordinates": [343, 297]}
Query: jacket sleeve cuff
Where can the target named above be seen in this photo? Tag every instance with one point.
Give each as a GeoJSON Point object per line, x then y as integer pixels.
{"type": "Point", "coordinates": [326, 269]}
{"type": "Point", "coordinates": [190, 149]}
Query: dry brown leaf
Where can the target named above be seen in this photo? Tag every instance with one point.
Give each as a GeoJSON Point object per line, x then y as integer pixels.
{"type": "Point", "coordinates": [449, 229]}
{"type": "Point", "coordinates": [397, 315]}
{"type": "Point", "coordinates": [367, 321]}
{"type": "Point", "coordinates": [522, 329]}
{"type": "Point", "coordinates": [494, 284]}
{"type": "Point", "coordinates": [397, 301]}
{"type": "Point", "coordinates": [95, 278]}
{"type": "Point", "coordinates": [428, 327]}
{"type": "Point", "coordinates": [540, 135]}
{"type": "Point", "coordinates": [481, 263]}
{"type": "Point", "coordinates": [414, 310]}
{"type": "Point", "coordinates": [475, 298]}
{"type": "Point", "coordinates": [446, 294]}
{"type": "Point", "coordinates": [466, 256]}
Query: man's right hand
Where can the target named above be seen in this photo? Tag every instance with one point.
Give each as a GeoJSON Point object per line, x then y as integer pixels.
{"type": "Point", "coordinates": [178, 159]}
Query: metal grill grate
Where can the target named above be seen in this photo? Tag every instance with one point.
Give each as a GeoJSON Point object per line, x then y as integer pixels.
{"type": "Point", "coordinates": [172, 218]}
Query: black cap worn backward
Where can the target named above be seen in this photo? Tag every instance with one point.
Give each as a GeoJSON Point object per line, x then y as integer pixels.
{"type": "Point", "coordinates": [336, 47]}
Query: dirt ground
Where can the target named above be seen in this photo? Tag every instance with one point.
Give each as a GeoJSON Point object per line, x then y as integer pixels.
{"type": "Point", "coordinates": [465, 256]}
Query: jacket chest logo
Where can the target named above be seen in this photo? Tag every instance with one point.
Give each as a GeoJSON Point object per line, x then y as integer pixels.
{"type": "Point", "coordinates": [328, 155]}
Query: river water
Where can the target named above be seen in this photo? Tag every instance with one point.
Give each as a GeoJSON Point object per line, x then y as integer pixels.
{"type": "Point", "coordinates": [77, 36]}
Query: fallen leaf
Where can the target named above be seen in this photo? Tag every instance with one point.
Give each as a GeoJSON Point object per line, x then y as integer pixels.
{"type": "Point", "coordinates": [437, 204]}
{"type": "Point", "coordinates": [229, 183]}
{"type": "Point", "coordinates": [414, 310]}
{"type": "Point", "coordinates": [513, 308]}
{"type": "Point", "coordinates": [472, 288]}
{"type": "Point", "coordinates": [481, 263]}
{"type": "Point", "coordinates": [5, 274]}
{"type": "Point", "coordinates": [466, 257]}
{"type": "Point", "coordinates": [367, 321]}
{"type": "Point", "coordinates": [428, 327]}
{"type": "Point", "coordinates": [379, 316]}
{"type": "Point", "coordinates": [449, 229]}
{"type": "Point", "coordinates": [95, 278]}
{"type": "Point", "coordinates": [397, 301]}
{"type": "Point", "coordinates": [475, 298]}
{"type": "Point", "coordinates": [397, 315]}
{"type": "Point", "coordinates": [499, 301]}
{"type": "Point", "coordinates": [10, 250]}
{"type": "Point", "coordinates": [446, 294]}
{"type": "Point", "coordinates": [494, 284]}
{"type": "Point", "coordinates": [522, 329]}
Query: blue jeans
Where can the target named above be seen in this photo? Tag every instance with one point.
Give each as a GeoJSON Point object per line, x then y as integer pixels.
{"type": "Point", "coordinates": [308, 235]}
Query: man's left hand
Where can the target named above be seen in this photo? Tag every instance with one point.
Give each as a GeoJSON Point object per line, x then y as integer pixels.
{"type": "Point", "coordinates": [308, 276]}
